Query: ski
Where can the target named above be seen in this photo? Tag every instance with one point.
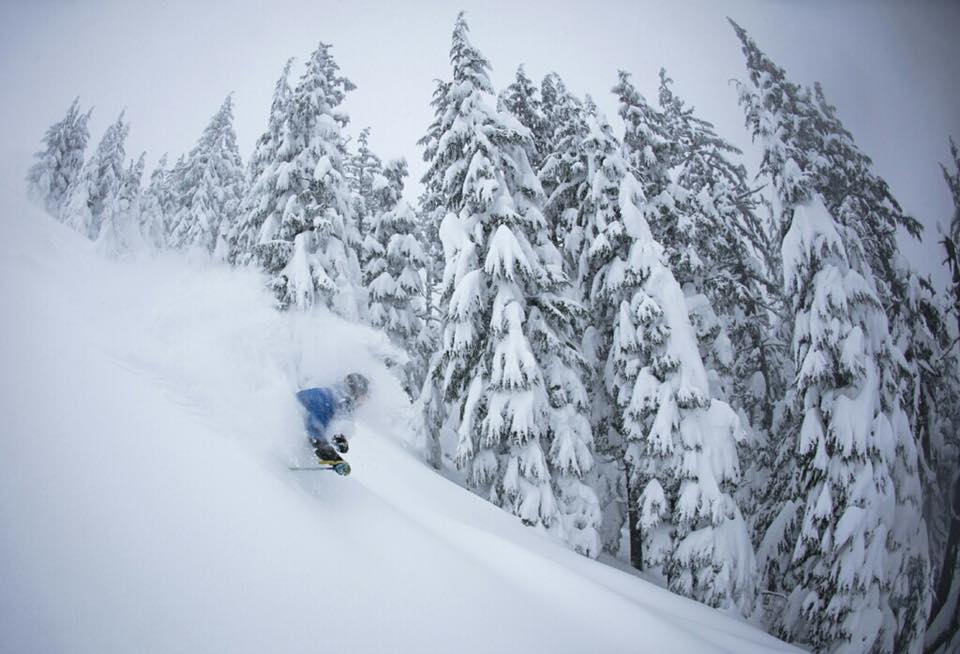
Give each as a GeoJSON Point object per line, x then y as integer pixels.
{"type": "Point", "coordinates": [340, 467]}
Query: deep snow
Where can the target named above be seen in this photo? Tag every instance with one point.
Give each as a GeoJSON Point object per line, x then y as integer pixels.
{"type": "Point", "coordinates": [145, 502]}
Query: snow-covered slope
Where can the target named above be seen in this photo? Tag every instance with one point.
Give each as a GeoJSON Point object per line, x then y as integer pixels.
{"type": "Point", "coordinates": [146, 506]}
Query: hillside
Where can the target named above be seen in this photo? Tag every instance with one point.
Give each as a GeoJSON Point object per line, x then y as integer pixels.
{"type": "Point", "coordinates": [146, 505]}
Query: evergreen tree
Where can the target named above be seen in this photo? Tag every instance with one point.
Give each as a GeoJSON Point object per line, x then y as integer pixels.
{"type": "Point", "coordinates": [665, 153]}
{"type": "Point", "coordinates": [210, 187]}
{"type": "Point", "coordinates": [430, 418]}
{"type": "Point", "coordinates": [558, 106]}
{"type": "Point", "coordinates": [863, 200]}
{"type": "Point", "coordinates": [662, 147]}
{"type": "Point", "coordinates": [120, 231]}
{"type": "Point", "coordinates": [382, 192]}
{"type": "Point", "coordinates": [521, 99]}
{"type": "Point", "coordinates": [265, 149]}
{"type": "Point", "coordinates": [854, 470]}
{"type": "Point", "coordinates": [394, 263]}
{"type": "Point", "coordinates": [649, 150]}
{"type": "Point", "coordinates": [362, 169]}
{"type": "Point", "coordinates": [307, 237]}
{"type": "Point", "coordinates": [562, 171]}
{"type": "Point", "coordinates": [57, 166]}
{"type": "Point", "coordinates": [431, 201]}
{"type": "Point", "coordinates": [261, 175]}
{"type": "Point", "coordinates": [508, 370]}
{"type": "Point", "coordinates": [943, 634]}
{"type": "Point", "coordinates": [158, 206]}
{"type": "Point", "coordinates": [675, 446]}
{"type": "Point", "coordinates": [89, 198]}
{"type": "Point", "coordinates": [719, 252]}
{"type": "Point", "coordinates": [932, 390]}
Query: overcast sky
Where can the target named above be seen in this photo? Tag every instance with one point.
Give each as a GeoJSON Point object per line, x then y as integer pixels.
{"type": "Point", "coordinates": [892, 69]}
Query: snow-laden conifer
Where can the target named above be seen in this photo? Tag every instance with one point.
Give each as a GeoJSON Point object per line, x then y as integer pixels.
{"type": "Point", "coordinates": [667, 151]}
{"type": "Point", "coordinates": [508, 371]}
{"type": "Point", "coordinates": [375, 190]}
{"type": "Point", "coordinates": [932, 389]}
{"type": "Point", "coordinates": [394, 273]}
{"type": "Point", "coordinates": [210, 186]}
{"type": "Point", "coordinates": [431, 201]}
{"type": "Point", "coordinates": [158, 206]}
{"type": "Point", "coordinates": [266, 147]}
{"type": "Point", "coordinates": [854, 487]}
{"type": "Point", "coordinates": [719, 252]}
{"type": "Point", "coordinates": [558, 106]}
{"type": "Point", "coordinates": [308, 238]}
{"type": "Point", "coordinates": [860, 198]}
{"type": "Point", "coordinates": [562, 171]}
{"type": "Point", "coordinates": [362, 168]}
{"type": "Point", "coordinates": [521, 99]}
{"type": "Point", "coordinates": [260, 178]}
{"type": "Point", "coordinates": [676, 446]}
{"type": "Point", "coordinates": [100, 178]}
{"type": "Point", "coordinates": [649, 149]}
{"type": "Point", "coordinates": [57, 167]}
{"type": "Point", "coordinates": [120, 232]}
{"type": "Point", "coordinates": [660, 147]}
{"type": "Point", "coordinates": [943, 633]}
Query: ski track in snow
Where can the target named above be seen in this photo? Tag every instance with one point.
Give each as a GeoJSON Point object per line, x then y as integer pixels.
{"type": "Point", "coordinates": [145, 503]}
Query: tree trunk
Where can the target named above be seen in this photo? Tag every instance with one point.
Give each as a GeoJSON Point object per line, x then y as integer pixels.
{"type": "Point", "coordinates": [433, 451]}
{"type": "Point", "coordinates": [633, 521]}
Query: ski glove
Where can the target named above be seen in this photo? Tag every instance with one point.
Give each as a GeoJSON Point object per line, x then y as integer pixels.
{"type": "Point", "coordinates": [340, 442]}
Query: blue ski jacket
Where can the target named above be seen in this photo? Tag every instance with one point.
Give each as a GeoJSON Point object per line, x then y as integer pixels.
{"type": "Point", "coordinates": [325, 407]}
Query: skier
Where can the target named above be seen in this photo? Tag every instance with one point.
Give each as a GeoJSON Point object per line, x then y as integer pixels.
{"type": "Point", "coordinates": [328, 418]}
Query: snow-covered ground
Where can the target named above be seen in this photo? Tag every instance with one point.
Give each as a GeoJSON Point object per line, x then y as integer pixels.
{"type": "Point", "coordinates": [146, 506]}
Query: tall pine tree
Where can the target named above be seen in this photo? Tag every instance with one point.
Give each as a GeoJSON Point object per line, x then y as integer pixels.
{"type": "Point", "coordinates": [719, 252]}
{"type": "Point", "coordinates": [508, 370]}
{"type": "Point", "coordinates": [99, 182]}
{"type": "Point", "coordinates": [394, 273]}
{"type": "Point", "coordinates": [120, 233]}
{"type": "Point", "coordinates": [303, 219]}
{"type": "Point", "coordinates": [562, 171]}
{"type": "Point", "coordinates": [674, 446]}
{"type": "Point", "coordinates": [521, 99]}
{"type": "Point", "coordinates": [362, 168]}
{"type": "Point", "coordinates": [57, 166]}
{"type": "Point", "coordinates": [210, 187]}
{"type": "Point", "coordinates": [261, 174]}
{"type": "Point", "coordinates": [862, 200]}
{"type": "Point", "coordinates": [854, 470]}
{"type": "Point", "coordinates": [944, 630]}
{"type": "Point", "coordinates": [158, 206]}
{"type": "Point", "coordinates": [721, 255]}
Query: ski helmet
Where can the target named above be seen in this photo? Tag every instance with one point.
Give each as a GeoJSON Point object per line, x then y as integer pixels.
{"type": "Point", "coordinates": [357, 385]}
